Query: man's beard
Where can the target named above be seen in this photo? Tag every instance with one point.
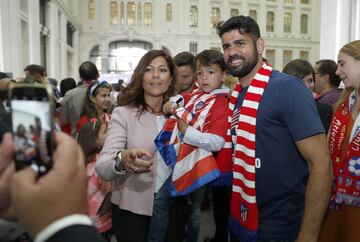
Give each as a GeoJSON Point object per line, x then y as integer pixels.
{"type": "Point", "coordinates": [245, 68]}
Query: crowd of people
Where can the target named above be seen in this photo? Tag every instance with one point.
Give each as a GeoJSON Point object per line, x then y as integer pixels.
{"type": "Point", "coordinates": [277, 151]}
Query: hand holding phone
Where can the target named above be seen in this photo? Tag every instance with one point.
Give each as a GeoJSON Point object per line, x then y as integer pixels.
{"type": "Point", "coordinates": [32, 126]}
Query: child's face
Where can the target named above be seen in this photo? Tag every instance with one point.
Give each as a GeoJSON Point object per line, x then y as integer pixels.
{"type": "Point", "coordinates": [209, 77]}
{"type": "Point", "coordinates": [101, 135]}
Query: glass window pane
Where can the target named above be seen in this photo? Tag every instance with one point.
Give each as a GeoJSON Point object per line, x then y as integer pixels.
{"type": "Point", "coordinates": [234, 12]}
{"type": "Point", "coordinates": [113, 13]}
{"type": "Point", "coordinates": [91, 9]}
{"type": "Point", "coordinates": [253, 14]}
{"type": "Point", "coordinates": [270, 56]}
{"type": "Point", "coordinates": [304, 24]}
{"type": "Point", "coordinates": [215, 17]}
{"type": "Point", "coordinates": [122, 13]}
{"type": "Point", "coordinates": [287, 57]}
{"type": "Point", "coordinates": [139, 15]}
{"type": "Point", "coordinates": [270, 21]}
{"type": "Point", "coordinates": [131, 13]}
{"type": "Point", "coordinates": [193, 48]}
{"type": "Point", "coordinates": [287, 22]}
{"type": "Point", "coordinates": [193, 16]}
{"type": "Point", "coordinates": [304, 55]}
{"type": "Point", "coordinates": [148, 14]}
{"type": "Point", "coordinates": [168, 12]}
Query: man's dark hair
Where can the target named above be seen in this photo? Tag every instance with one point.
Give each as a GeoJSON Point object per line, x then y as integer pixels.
{"type": "Point", "coordinates": [88, 71]}
{"type": "Point", "coordinates": [3, 75]}
{"type": "Point", "coordinates": [66, 85]}
{"type": "Point", "coordinates": [299, 68]}
{"type": "Point", "coordinates": [242, 23]}
{"type": "Point", "coordinates": [35, 69]}
{"type": "Point", "coordinates": [209, 57]}
{"type": "Point", "coordinates": [184, 58]}
{"type": "Point", "coordinates": [329, 67]}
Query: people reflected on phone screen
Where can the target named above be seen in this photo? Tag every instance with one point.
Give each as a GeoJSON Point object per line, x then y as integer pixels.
{"type": "Point", "coordinates": [32, 137]}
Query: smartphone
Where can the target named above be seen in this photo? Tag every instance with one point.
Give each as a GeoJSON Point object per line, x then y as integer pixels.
{"type": "Point", "coordinates": [32, 125]}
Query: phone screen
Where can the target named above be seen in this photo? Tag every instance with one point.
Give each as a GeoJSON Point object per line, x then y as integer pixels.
{"type": "Point", "coordinates": [32, 128]}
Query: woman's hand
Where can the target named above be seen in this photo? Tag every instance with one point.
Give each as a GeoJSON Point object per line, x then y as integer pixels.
{"type": "Point", "coordinates": [169, 107]}
{"type": "Point", "coordinates": [137, 160]}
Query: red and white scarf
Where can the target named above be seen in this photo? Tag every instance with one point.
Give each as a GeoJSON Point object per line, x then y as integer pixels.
{"type": "Point", "coordinates": [347, 169]}
{"type": "Point", "coordinates": [243, 222]}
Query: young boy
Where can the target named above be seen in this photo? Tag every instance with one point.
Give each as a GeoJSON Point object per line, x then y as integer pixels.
{"type": "Point", "coordinates": [201, 119]}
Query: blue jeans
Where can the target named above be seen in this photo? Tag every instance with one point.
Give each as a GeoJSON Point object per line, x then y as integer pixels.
{"type": "Point", "coordinates": [196, 198]}
{"type": "Point", "coordinates": [160, 218]}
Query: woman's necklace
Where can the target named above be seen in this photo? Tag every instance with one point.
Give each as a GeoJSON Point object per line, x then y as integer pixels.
{"type": "Point", "coordinates": [151, 110]}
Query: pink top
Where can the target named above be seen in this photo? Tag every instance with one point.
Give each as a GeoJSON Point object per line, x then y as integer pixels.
{"type": "Point", "coordinates": [97, 189]}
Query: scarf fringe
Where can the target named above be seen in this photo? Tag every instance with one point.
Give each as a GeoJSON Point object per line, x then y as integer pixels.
{"type": "Point", "coordinates": [346, 199]}
{"type": "Point", "coordinates": [240, 233]}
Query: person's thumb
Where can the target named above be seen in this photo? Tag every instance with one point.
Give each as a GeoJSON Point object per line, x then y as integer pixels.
{"type": "Point", "coordinates": [23, 180]}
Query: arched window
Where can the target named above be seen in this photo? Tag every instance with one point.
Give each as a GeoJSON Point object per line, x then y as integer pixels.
{"type": "Point", "coordinates": [215, 17]}
{"type": "Point", "coordinates": [270, 21]}
{"type": "Point", "coordinates": [304, 24]}
{"type": "Point", "coordinates": [287, 22]}
{"type": "Point", "coordinates": [168, 12]}
{"type": "Point", "coordinates": [113, 13]}
{"type": "Point", "coordinates": [193, 16]}
{"type": "Point", "coordinates": [91, 9]}
{"type": "Point", "coordinates": [139, 14]}
{"type": "Point", "coordinates": [148, 14]}
{"type": "Point", "coordinates": [122, 13]}
{"type": "Point", "coordinates": [131, 13]}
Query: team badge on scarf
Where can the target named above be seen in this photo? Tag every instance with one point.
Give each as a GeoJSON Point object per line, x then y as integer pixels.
{"type": "Point", "coordinates": [243, 222]}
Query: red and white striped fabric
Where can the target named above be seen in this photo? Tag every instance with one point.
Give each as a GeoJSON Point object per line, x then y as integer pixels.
{"type": "Point", "coordinates": [193, 167]}
{"type": "Point", "coordinates": [244, 213]}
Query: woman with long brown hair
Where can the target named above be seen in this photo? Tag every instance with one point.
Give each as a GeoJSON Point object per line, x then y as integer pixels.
{"type": "Point", "coordinates": [342, 220]}
{"type": "Point", "coordinates": [129, 158]}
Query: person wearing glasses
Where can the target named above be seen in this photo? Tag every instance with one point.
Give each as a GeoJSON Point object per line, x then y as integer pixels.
{"type": "Point", "coordinates": [96, 104]}
{"type": "Point", "coordinates": [327, 83]}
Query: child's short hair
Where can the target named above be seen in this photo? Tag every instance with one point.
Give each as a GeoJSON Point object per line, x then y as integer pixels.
{"type": "Point", "coordinates": [87, 139]}
{"type": "Point", "coordinates": [209, 57]}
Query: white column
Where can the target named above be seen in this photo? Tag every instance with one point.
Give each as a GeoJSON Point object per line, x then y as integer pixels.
{"type": "Point", "coordinates": [34, 32]}
{"type": "Point", "coordinates": [53, 55]}
{"type": "Point", "coordinates": [355, 14]}
{"type": "Point", "coordinates": [76, 44]}
{"type": "Point", "coordinates": [334, 27]}
{"type": "Point", "coordinates": [10, 38]}
{"type": "Point", "coordinates": [63, 48]}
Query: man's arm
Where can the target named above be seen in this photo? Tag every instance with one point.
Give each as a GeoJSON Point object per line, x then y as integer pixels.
{"type": "Point", "coordinates": [315, 151]}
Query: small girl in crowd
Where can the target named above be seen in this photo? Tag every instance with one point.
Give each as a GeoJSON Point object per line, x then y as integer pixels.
{"type": "Point", "coordinates": [91, 139]}
{"type": "Point", "coordinates": [97, 104]}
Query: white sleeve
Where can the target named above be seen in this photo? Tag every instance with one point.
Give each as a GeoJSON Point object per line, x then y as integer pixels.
{"type": "Point", "coordinates": [206, 141]}
{"type": "Point", "coordinates": [56, 226]}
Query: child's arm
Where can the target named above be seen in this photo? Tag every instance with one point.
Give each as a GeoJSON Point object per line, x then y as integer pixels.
{"type": "Point", "coordinates": [213, 140]}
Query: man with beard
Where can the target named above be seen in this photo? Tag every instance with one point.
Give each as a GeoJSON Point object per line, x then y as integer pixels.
{"type": "Point", "coordinates": [281, 163]}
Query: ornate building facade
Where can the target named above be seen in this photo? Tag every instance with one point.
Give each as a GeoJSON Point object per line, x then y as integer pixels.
{"type": "Point", "coordinates": [60, 34]}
